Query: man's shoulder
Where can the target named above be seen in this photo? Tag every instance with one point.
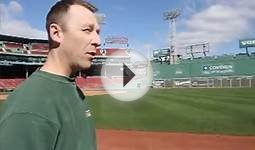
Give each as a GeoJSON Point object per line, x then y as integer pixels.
{"type": "Point", "coordinates": [35, 98]}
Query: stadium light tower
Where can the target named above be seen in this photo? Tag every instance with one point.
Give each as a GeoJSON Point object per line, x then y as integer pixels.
{"type": "Point", "coordinates": [171, 16]}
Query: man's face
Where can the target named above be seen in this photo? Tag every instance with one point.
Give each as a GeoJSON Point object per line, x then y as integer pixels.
{"type": "Point", "coordinates": [80, 38]}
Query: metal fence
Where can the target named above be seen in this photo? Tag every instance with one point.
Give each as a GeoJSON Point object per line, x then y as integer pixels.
{"type": "Point", "coordinates": [207, 82]}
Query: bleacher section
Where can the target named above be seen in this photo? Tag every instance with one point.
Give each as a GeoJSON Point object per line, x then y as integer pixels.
{"type": "Point", "coordinates": [10, 84]}
{"type": "Point", "coordinates": [39, 48]}
{"type": "Point", "coordinates": [95, 83]}
{"type": "Point", "coordinates": [89, 82]}
{"type": "Point", "coordinates": [19, 45]}
{"type": "Point", "coordinates": [21, 48]}
{"type": "Point", "coordinates": [23, 55]}
{"type": "Point", "coordinates": [2, 49]}
{"type": "Point", "coordinates": [13, 47]}
{"type": "Point", "coordinates": [112, 52]}
{"type": "Point", "coordinates": [116, 52]}
{"type": "Point", "coordinates": [42, 49]}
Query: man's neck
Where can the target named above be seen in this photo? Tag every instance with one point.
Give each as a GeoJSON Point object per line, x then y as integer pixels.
{"type": "Point", "coordinates": [57, 66]}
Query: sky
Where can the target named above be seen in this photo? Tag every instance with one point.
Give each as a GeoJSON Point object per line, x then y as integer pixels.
{"type": "Point", "coordinates": [220, 23]}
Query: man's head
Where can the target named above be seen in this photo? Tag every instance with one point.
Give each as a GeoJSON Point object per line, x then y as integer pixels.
{"type": "Point", "coordinates": [59, 10]}
{"type": "Point", "coordinates": [73, 32]}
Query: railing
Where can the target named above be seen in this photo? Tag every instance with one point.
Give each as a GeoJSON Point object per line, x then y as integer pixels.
{"type": "Point", "coordinates": [207, 82]}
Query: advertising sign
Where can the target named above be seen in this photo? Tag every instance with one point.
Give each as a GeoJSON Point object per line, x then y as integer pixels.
{"type": "Point", "coordinates": [247, 43]}
{"type": "Point", "coordinates": [218, 69]}
{"type": "Point", "coordinates": [116, 40]}
{"type": "Point", "coordinates": [161, 52]}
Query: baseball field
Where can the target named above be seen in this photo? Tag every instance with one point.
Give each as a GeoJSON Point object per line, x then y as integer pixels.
{"type": "Point", "coordinates": [219, 113]}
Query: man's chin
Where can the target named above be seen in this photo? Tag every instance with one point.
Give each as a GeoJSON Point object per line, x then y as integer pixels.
{"type": "Point", "coordinates": [86, 67]}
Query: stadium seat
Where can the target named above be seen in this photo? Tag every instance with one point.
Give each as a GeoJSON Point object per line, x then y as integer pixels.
{"type": "Point", "coordinates": [111, 51]}
{"type": "Point", "coordinates": [13, 47]}
{"type": "Point", "coordinates": [116, 52]}
{"type": "Point", "coordinates": [89, 82]}
{"type": "Point", "coordinates": [39, 49]}
{"type": "Point", "coordinates": [10, 83]}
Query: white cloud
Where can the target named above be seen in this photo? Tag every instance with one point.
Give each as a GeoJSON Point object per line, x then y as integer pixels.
{"type": "Point", "coordinates": [219, 23]}
{"type": "Point", "coordinates": [11, 25]}
{"type": "Point", "coordinates": [145, 49]}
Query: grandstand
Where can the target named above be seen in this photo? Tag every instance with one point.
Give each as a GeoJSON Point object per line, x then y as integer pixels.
{"type": "Point", "coordinates": [20, 57]}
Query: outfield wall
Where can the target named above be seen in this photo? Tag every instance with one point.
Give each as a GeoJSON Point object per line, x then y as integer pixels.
{"type": "Point", "coordinates": [224, 71]}
{"type": "Point", "coordinates": [222, 66]}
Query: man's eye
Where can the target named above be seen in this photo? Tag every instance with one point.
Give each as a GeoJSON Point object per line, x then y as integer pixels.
{"type": "Point", "coordinates": [85, 29]}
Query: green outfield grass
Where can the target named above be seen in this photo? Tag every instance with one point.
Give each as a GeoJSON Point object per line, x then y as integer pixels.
{"type": "Point", "coordinates": [218, 111]}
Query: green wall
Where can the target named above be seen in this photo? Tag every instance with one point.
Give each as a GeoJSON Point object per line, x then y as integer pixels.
{"type": "Point", "coordinates": [206, 67]}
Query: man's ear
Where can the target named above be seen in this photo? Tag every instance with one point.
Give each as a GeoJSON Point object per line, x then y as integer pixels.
{"type": "Point", "coordinates": [56, 33]}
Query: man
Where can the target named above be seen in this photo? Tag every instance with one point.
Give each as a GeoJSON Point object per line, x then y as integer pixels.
{"type": "Point", "coordinates": [48, 111]}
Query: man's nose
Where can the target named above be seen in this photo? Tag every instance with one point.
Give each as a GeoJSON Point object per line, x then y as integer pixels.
{"type": "Point", "coordinates": [96, 40]}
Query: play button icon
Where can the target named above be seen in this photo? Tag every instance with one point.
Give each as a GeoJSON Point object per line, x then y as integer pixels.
{"type": "Point", "coordinates": [128, 77]}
